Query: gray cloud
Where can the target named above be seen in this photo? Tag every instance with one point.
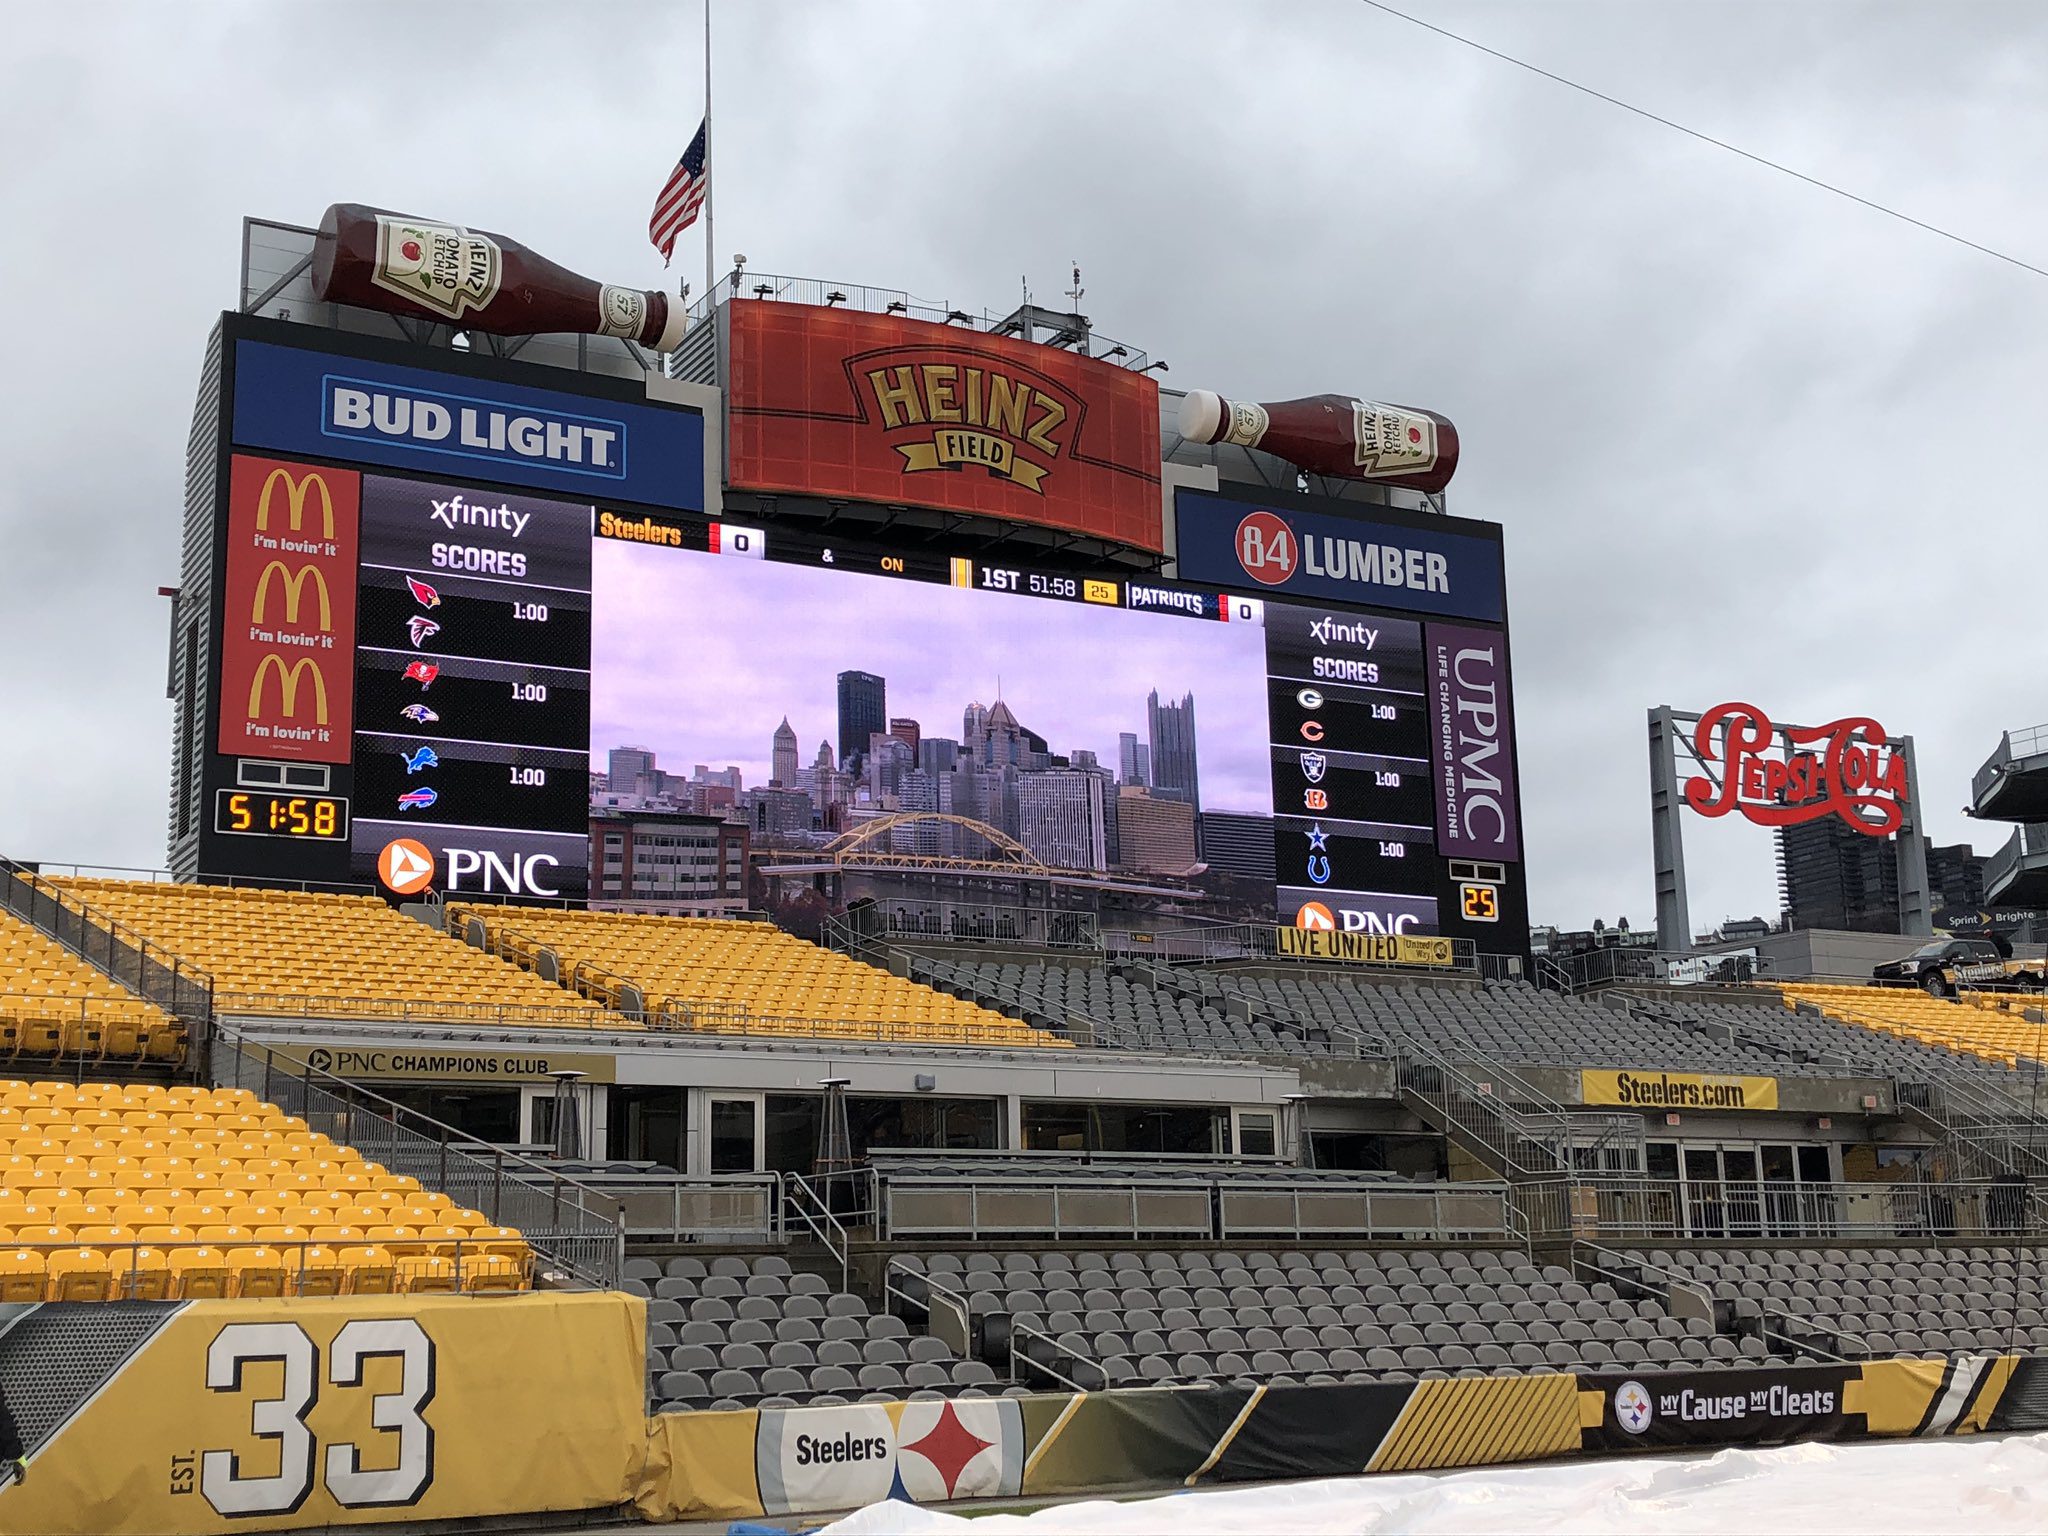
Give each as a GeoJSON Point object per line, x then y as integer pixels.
{"type": "Point", "coordinates": [1747, 440]}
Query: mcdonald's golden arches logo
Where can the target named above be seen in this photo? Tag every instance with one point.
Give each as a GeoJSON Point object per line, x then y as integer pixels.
{"type": "Point", "coordinates": [294, 591]}
{"type": "Point", "coordinates": [296, 492]}
{"type": "Point", "coordinates": [288, 676]}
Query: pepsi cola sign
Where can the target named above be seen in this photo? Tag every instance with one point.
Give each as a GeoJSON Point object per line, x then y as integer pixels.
{"type": "Point", "coordinates": [1846, 768]}
{"type": "Point", "coordinates": [1379, 564]}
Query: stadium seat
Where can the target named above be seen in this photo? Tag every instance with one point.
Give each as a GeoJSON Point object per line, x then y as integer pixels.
{"type": "Point", "coordinates": [730, 977]}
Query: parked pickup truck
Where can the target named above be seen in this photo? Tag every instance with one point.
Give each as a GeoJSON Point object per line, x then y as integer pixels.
{"type": "Point", "coordinates": [1944, 965]}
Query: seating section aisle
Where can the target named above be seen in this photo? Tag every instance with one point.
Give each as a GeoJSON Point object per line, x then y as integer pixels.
{"type": "Point", "coordinates": [54, 1004]}
{"type": "Point", "coordinates": [1158, 1318]}
{"type": "Point", "coordinates": [121, 1191]}
{"type": "Point", "coordinates": [1830, 1043]}
{"type": "Point", "coordinates": [1893, 1301]}
{"type": "Point", "coordinates": [751, 978]}
{"type": "Point", "coordinates": [295, 952]}
{"type": "Point", "coordinates": [1140, 1016]}
{"type": "Point", "coordinates": [1993, 1026]}
{"type": "Point", "coordinates": [752, 1333]}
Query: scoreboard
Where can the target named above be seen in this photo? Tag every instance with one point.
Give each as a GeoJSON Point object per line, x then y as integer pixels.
{"type": "Point", "coordinates": [406, 634]}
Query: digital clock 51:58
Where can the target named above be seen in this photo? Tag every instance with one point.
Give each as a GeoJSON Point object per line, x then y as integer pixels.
{"type": "Point", "coordinates": [282, 815]}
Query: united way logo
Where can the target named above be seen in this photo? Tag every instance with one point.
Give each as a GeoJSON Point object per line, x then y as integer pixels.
{"type": "Point", "coordinates": [1633, 1409]}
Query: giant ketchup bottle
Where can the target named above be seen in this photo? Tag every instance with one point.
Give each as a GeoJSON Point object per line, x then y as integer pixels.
{"type": "Point", "coordinates": [477, 280]}
{"type": "Point", "coordinates": [1337, 435]}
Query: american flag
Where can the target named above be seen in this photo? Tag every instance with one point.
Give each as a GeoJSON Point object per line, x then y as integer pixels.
{"type": "Point", "coordinates": [675, 209]}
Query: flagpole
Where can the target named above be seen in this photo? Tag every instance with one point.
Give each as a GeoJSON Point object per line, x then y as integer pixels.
{"type": "Point", "coordinates": [710, 191]}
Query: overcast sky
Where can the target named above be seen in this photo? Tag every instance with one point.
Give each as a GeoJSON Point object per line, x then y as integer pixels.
{"type": "Point", "coordinates": [1748, 440]}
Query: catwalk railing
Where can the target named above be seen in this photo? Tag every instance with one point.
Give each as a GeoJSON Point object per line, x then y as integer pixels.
{"type": "Point", "coordinates": [564, 1218]}
{"type": "Point", "coordinates": [1634, 1209]}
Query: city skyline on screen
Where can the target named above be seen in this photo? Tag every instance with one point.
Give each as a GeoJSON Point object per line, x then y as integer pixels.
{"type": "Point", "coordinates": [699, 658]}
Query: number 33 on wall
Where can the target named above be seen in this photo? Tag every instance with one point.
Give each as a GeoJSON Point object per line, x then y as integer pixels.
{"type": "Point", "coordinates": [238, 1482]}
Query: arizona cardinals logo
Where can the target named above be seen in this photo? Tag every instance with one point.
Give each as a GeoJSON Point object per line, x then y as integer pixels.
{"type": "Point", "coordinates": [423, 673]}
{"type": "Point", "coordinates": [422, 629]}
{"type": "Point", "coordinates": [423, 594]}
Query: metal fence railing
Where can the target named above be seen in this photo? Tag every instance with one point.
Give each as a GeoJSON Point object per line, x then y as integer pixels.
{"type": "Point", "coordinates": [413, 1010]}
{"type": "Point", "coordinates": [741, 284]}
{"type": "Point", "coordinates": [79, 1032]}
{"type": "Point", "coordinates": [566, 1219]}
{"type": "Point", "coordinates": [101, 1267]}
{"type": "Point", "coordinates": [2013, 746]}
{"type": "Point", "coordinates": [147, 969]}
{"type": "Point", "coordinates": [975, 923]}
{"type": "Point", "coordinates": [695, 1208]}
{"type": "Point", "coordinates": [1636, 1209]}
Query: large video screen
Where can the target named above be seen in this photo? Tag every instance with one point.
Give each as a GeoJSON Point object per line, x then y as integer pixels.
{"type": "Point", "coordinates": [558, 700]}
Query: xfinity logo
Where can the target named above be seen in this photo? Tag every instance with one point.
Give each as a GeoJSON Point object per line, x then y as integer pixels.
{"type": "Point", "coordinates": [1328, 631]}
{"type": "Point", "coordinates": [469, 514]}
{"type": "Point", "coordinates": [516, 875]}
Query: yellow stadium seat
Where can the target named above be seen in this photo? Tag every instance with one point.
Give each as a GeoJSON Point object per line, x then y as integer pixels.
{"type": "Point", "coordinates": [79, 1274]}
{"type": "Point", "coordinates": [258, 1271]}
{"type": "Point", "coordinates": [23, 1275]}
{"type": "Point", "coordinates": [371, 1269]}
{"type": "Point", "coordinates": [140, 1273]}
{"type": "Point", "coordinates": [199, 1273]}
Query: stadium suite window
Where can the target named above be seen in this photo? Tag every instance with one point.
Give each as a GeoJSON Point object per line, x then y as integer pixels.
{"type": "Point", "coordinates": [1058, 1127]}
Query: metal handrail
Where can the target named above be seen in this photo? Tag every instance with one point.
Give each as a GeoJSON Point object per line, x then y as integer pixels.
{"type": "Point", "coordinates": [741, 284]}
{"type": "Point", "coordinates": [313, 1005]}
{"type": "Point", "coordinates": [956, 1304]}
{"type": "Point", "coordinates": [565, 1218]}
{"type": "Point", "coordinates": [411, 1258]}
{"type": "Point", "coordinates": [1019, 1330]}
{"type": "Point", "coordinates": [119, 951]}
{"type": "Point", "coordinates": [813, 1207]}
{"type": "Point", "coordinates": [1766, 1210]}
{"type": "Point", "coordinates": [1854, 1348]}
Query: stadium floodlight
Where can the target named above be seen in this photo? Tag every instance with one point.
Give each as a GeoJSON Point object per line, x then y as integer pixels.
{"type": "Point", "coordinates": [960, 315]}
{"type": "Point", "coordinates": [1149, 367]}
{"type": "Point", "coordinates": [897, 307]}
{"type": "Point", "coordinates": [834, 297]}
{"type": "Point", "coordinates": [1119, 350]}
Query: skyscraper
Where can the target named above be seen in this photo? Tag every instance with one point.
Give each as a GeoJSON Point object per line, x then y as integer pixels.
{"type": "Point", "coordinates": [625, 766]}
{"type": "Point", "coordinates": [1172, 729]}
{"type": "Point", "coordinates": [783, 756]}
{"type": "Point", "coordinates": [1060, 818]}
{"type": "Point", "coordinates": [1154, 835]}
{"type": "Point", "coordinates": [1133, 759]}
{"type": "Point", "coordinates": [1832, 876]}
{"type": "Point", "coordinates": [863, 712]}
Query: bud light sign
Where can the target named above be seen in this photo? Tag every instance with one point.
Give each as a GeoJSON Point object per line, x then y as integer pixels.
{"type": "Point", "coordinates": [1419, 569]}
{"type": "Point", "coordinates": [298, 400]}
{"type": "Point", "coordinates": [1471, 744]}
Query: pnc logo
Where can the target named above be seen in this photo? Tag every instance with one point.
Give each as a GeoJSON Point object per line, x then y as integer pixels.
{"type": "Point", "coordinates": [295, 584]}
{"type": "Point", "coordinates": [296, 494]}
{"type": "Point", "coordinates": [1266, 548]}
{"type": "Point", "coordinates": [405, 866]}
{"type": "Point", "coordinates": [514, 875]}
{"type": "Point", "coordinates": [288, 677]}
{"type": "Point", "coordinates": [955, 408]}
{"type": "Point", "coordinates": [1315, 918]}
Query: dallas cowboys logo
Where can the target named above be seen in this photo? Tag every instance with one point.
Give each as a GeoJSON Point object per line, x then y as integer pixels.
{"type": "Point", "coordinates": [1318, 839]}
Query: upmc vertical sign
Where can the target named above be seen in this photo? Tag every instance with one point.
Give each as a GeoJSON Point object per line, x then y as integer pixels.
{"type": "Point", "coordinates": [1472, 743]}
{"type": "Point", "coordinates": [288, 621]}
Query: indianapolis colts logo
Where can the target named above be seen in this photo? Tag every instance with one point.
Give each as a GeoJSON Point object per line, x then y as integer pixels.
{"type": "Point", "coordinates": [1319, 868]}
